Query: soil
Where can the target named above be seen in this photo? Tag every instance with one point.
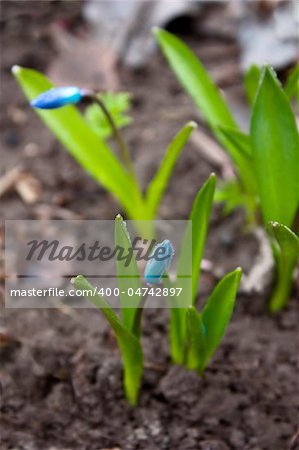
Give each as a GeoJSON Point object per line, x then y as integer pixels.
{"type": "Point", "coordinates": [61, 374]}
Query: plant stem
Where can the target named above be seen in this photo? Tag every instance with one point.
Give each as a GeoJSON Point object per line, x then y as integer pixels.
{"type": "Point", "coordinates": [121, 144]}
{"type": "Point", "coordinates": [177, 335]}
{"type": "Point", "coordinates": [282, 289]}
{"type": "Point", "coordinates": [137, 320]}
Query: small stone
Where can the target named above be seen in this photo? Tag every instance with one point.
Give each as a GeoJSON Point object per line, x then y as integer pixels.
{"type": "Point", "coordinates": [17, 115]}
{"type": "Point", "coordinates": [140, 434]}
{"type": "Point", "coordinates": [31, 150]}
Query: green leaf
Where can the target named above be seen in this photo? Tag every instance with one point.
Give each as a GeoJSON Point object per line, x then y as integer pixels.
{"type": "Point", "coordinates": [251, 82]}
{"type": "Point", "coordinates": [239, 148]}
{"type": "Point", "coordinates": [82, 142]}
{"type": "Point", "coordinates": [195, 233]}
{"type": "Point", "coordinates": [129, 345]}
{"type": "Point", "coordinates": [286, 239]}
{"type": "Point", "coordinates": [117, 104]}
{"type": "Point", "coordinates": [177, 334]}
{"type": "Point", "coordinates": [286, 253]}
{"type": "Point", "coordinates": [231, 194]}
{"type": "Point", "coordinates": [198, 226]}
{"type": "Point", "coordinates": [275, 146]}
{"type": "Point", "coordinates": [240, 144]}
{"type": "Point", "coordinates": [196, 80]}
{"type": "Point", "coordinates": [217, 313]}
{"type": "Point", "coordinates": [158, 184]}
{"type": "Point", "coordinates": [177, 325]}
{"type": "Point", "coordinates": [291, 88]}
{"type": "Point", "coordinates": [128, 277]}
{"type": "Point", "coordinates": [195, 340]}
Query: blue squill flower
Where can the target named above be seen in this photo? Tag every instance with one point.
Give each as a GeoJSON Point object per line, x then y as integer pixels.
{"type": "Point", "coordinates": [159, 262]}
{"type": "Point", "coordinates": [57, 97]}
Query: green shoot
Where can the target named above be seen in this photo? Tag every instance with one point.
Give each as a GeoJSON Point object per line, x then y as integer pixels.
{"type": "Point", "coordinates": [194, 336]}
{"type": "Point", "coordinates": [291, 88]}
{"type": "Point", "coordinates": [275, 150]}
{"type": "Point", "coordinates": [251, 82]}
{"type": "Point", "coordinates": [127, 327]}
{"type": "Point", "coordinates": [82, 138]}
{"type": "Point", "coordinates": [285, 245]}
{"type": "Point", "coordinates": [265, 161]}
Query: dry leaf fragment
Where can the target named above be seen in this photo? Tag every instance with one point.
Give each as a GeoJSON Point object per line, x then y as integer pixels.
{"type": "Point", "coordinates": [8, 180]}
{"type": "Point", "coordinates": [212, 153]}
{"type": "Point", "coordinates": [28, 188]}
{"type": "Point", "coordinates": [24, 183]}
{"type": "Point", "coordinates": [46, 212]}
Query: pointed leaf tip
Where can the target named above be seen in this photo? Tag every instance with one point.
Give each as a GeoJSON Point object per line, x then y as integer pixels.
{"type": "Point", "coordinates": [82, 142]}
{"type": "Point", "coordinates": [77, 278]}
{"type": "Point", "coordinates": [213, 176]}
{"type": "Point", "coordinates": [274, 138]}
{"type": "Point", "coordinates": [270, 73]}
{"type": "Point", "coordinates": [16, 69]}
{"type": "Point", "coordinates": [192, 124]}
{"type": "Point", "coordinates": [272, 225]}
{"type": "Point", "coordinates": [239, 271]}
{"type": "Point", "coordinates": [156, 30]}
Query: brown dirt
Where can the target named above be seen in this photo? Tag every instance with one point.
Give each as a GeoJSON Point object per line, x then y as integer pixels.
{"type": "Point", "coordinates": [61, 373]}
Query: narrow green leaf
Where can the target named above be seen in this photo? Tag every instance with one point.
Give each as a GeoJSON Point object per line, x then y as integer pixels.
{"type": "Point", "coordinates": [129, 345]}
{"type": "Point", "coordinates": [177, 324]}
{"type": "Point", "coordinates": [239, 148]}
{"type": "Point", "coordinates": [286, 253]}
{"type": "Point", "coordinates": [275, 147]}
{"type": "Point", "coordinates": [195, 340]}
{"type": "Point", "coordinates": [240, 144]}
{"type": "Point", "coordinates": [82, 142]}
{"type": "Point", "coordinates": [197, 228]}
{"type": "Point", "coordinates": [158, 184]}
{"type": "Point", "coordinates": [195, 233]}
{"type": "Point", "coordinates": [251, 82]}
{"type": "Point", "coordinates": [177, 334]}
{"type": "Point", "coordinates": [128, 277]}
{"type": "Point", "coordinates": [286, 239]}
{"type": "Point", "coordinates": [196, 80]}
{"type": "Point", "coordinates": [231, 194]}
{"type": "Point", "coordinates": [291, 88]}
{"type": "Point", "coordinates": [218, 311]}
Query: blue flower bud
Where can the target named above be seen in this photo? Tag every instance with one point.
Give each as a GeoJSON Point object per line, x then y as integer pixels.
{"type": "Point", "coordinates": [159, 262]}
{"type": "Point", "coordinates": [57, 97]}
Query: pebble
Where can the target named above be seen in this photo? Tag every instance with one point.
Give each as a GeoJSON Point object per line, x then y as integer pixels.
{"type": "Point", "coordinates": [31, 150]}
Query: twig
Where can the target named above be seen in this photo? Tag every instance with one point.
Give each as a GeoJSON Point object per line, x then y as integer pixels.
{"type": "Point", "coordinates": [212, 153]}
{"type": "Point", "coordinates": [295, 441]}
{"type": "Point", "coordinates": [9, 179]}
